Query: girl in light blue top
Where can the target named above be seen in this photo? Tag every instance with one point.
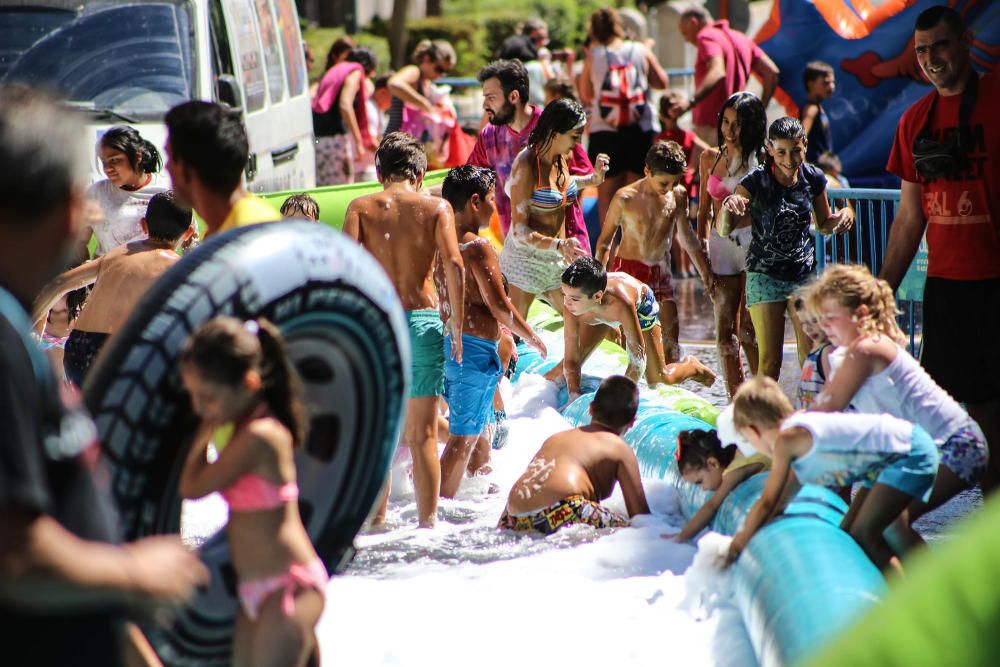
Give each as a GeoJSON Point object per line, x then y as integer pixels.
{"type": "Point", "coordinates": [895, 460]}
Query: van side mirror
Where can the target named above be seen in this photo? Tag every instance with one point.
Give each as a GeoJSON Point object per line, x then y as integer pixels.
{"type": "Point", "coordinates": [228, 92]}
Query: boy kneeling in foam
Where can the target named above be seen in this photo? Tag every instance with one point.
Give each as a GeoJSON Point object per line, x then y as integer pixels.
{"type": "Point", "coordinates": [576, 469]}
{"type": "Point", "coordinates": [598, 299]}
{"type": "Point", "coordinates": [897, 460]}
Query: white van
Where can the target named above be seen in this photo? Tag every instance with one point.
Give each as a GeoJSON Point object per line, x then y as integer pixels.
{"type": "Point", "coordinates": [123, 62]}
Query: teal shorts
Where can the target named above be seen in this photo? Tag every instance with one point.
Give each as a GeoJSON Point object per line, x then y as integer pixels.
{"type": "Point", "coordinates": [913, 474]}
{"type": "Point", "coordinates": [426, 353]}
{"type": "Point", "coordinates": [762, 288]}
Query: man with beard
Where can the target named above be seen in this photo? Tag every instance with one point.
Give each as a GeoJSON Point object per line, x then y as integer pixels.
{"type": "Point", "coordinates": [951, 189]}
{"type": "Point", "coordinates": [511, 120]}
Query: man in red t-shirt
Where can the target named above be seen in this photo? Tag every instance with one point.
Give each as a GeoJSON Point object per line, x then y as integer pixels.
{"type": "Point", "coordinates": [722, 67]}
{"type": "Point", "coordinates": [960, 211]}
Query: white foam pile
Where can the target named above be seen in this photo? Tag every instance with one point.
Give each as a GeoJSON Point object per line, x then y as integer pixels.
{"type": "Point", "coordinates": [467, 594]}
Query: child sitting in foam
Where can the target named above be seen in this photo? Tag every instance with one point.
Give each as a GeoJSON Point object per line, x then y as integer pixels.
{"type": "Point", "coordinates": [873, 373]}
{"type": "Point", "coordinates": [703, 460]}
{"type": "Point", "coordinates": [894, 459]}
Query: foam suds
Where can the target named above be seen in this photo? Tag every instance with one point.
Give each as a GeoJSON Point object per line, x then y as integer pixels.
{"type": "Point", "coordinates": [465, 593]}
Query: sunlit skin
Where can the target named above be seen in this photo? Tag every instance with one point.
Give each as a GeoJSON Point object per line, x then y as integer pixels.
{"type": "Point", "coordinates": [499, 108]}
{"type": "Point", "coordinates": [217, 403]}
{"type": "Point", "coordinates": [708, 478]}
{"type": "Point", "coordinates": [788, 155]}
{"type": "Point", "coordinates": [811, 326]}
{"type": "Point", "coordinates": [839, 322]}
{"type": "Point", "coordinates": [943, 57]}
{"type": "Point", "coordinates": [118, 170]}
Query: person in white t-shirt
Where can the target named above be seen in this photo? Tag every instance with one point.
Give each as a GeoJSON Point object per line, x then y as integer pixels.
{"type": "Point", "coordinates": [132, 166]}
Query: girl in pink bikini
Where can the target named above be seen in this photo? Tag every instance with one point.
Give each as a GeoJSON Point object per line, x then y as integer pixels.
{"type": "Point", "coordinates": [242, 385]}
{"type": "Point", "coordinates": [742, 128]}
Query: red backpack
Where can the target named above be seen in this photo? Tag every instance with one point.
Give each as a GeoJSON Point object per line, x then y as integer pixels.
{"type": "Point", "coordinates": [622, 98]}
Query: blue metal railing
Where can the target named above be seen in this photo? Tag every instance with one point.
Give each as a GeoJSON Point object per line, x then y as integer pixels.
{"type": "Point", "coordinates": [866, 243]}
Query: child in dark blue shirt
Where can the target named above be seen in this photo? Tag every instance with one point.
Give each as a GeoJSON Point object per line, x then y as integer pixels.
{"type": "Point", "coordinates": [780, 196]}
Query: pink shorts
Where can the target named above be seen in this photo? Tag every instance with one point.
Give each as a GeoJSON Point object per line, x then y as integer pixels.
{"type": "Point", "coordinates": [253, 593]}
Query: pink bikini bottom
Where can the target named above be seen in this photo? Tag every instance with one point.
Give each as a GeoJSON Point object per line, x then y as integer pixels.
{"type": "Point", "coordinates": [253, 593]}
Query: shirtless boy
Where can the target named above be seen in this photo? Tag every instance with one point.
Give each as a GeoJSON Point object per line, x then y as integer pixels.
{"type": "Point", "coordinates": [576, 469]}
{"type": "Point", "coordinates": [120, 279]}
{"type": "Point", "coordinates": [470, 383]}
{"type": "Point", "coordinates": [404, 229]}
{"type": "Point", "coordinates": [648, 212]}
{"type": "Point", "coordinates": [600, 300]}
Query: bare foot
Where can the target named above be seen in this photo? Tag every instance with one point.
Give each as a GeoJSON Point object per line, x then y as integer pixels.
{"type": "Point", "coordinates": [702, 373]}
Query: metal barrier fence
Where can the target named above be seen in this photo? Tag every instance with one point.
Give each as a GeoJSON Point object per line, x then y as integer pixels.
{"type": "Point", "coordinates": [865, 244]}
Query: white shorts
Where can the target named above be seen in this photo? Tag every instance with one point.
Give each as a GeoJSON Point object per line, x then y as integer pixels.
{"type": "Point", "coordinates": [728, 254]}
{"type": "Point", "coordinates": [530, 269]}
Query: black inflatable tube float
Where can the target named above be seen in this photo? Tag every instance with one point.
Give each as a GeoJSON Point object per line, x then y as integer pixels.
{"type": "Point", "coordinates": [347, 336]}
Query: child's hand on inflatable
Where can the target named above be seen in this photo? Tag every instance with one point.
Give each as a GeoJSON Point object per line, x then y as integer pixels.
{"type": "Point", "coordinates": [735, 548]}
{"type": "Point", "coordinates": [537, 343]}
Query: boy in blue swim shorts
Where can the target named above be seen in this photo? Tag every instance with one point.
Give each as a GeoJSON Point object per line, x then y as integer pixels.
{"type": "Point", "coordinates": [404, 229]}
{"type": "Point", "coordinates": [470, 381]}
{"type": "Point", "coordinates": [894, 460]}
{"type": "Point", "coordinates": [601, 300]}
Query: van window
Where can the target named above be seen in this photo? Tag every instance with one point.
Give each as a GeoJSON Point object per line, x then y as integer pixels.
{"type": "Point", "coordinates": [272, 55]}
{"type": "Point", "coordinates": [291, 42]}
{"type": "Point", "coordinates": [222, 59]}
{"type": "Point", "coordinates": [251, 65]}
{"type": "Point", "coordinates": [132, 59]}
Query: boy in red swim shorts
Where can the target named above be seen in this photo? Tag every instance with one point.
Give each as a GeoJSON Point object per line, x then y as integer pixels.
{"type": "Point", "coordinates": [648, 212]}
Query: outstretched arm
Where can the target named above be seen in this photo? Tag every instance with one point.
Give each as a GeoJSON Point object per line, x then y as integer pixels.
{"type": "Point", "coordinates": [486, 271]}
{"type": "Point", "coordinates": [735, 211]}
{"type": "Point", "coordinates": [631, 482]}
{"type": "Point", "coordinates": [612, 221]}
{"type": "Point", "coordinates": [690, 243]}
{"type": "Point", "coordinates": [831, 223]}
{"type": "Point", "coordinates": [454, 273]}
{"type": "Point", "coordinates": [858, 366]}
{"type": "Point", "coordinates": [705, 199]}
{"type": "Point", "coordinates": [634, 346]}
{"type": "Point", "coordinates": [81, 276]}
{"type": "Point", "coordinates": [572, 364]}
{"type": "Point", "coordinates": [706, 512]}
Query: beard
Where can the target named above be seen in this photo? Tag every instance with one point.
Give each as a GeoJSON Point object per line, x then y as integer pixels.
{"type": "Point", "coordinates": [504, 115]}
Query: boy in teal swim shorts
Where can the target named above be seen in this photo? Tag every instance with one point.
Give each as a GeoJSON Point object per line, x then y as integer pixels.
{"type": "Point", "coordinates": [599, 300]}
{"type": "Point", "coordinates": [404, 229]}
{"type": "Point", "coordinates": [576, 469]}
{"type": "Point", "coordinates": [471, 381]}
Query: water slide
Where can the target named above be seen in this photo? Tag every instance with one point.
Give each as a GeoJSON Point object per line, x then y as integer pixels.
{"type": "Point", "coordinates": [801, 580]}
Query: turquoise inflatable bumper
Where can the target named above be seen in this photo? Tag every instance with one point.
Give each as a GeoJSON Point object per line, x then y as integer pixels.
{"type": "Point", "coordinates": [800, 581]}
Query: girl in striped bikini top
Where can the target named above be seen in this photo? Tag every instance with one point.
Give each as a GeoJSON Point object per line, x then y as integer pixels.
{"type": "Point", "coordinates": [545, 199]}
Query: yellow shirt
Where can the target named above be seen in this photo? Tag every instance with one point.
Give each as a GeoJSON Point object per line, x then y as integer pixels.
{"type": "Point", "coordinates": [740, 461]}
{"type": "Point", "coordinates": [249, 211]}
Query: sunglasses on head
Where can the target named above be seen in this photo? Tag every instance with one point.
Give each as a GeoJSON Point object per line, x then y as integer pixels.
{"type": "Point", "coordinates": [441, 69]}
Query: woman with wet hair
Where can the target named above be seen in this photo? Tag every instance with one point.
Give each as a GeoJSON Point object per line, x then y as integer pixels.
{"type": "Point", "coordinates": [741, 128]}
{"type": "Point", "coordinates": [118, 203]}
{"type": "Point", "coordinates": [536, 250]}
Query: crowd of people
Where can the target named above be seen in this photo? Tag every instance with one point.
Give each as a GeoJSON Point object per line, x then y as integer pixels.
{"type": "Point", "coordinates": [912, 434]}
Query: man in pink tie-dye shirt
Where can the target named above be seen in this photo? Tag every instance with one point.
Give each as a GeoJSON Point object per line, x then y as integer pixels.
{"type": "Point", "coordinates": [511, 120]}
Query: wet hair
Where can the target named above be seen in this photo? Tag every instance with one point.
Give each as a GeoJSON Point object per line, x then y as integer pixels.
{"type": "Point", "coordinates": [300, 205]}
{"type": "Point", "coordinates": [785, 128]}
{"type": "Point", "coordinates": [463, 182]}
{"type": "Point", "coordinates": [760, 402]}
{"type": "Point", "coordinates": [696, 446]}
{"type": "Point", "coordinates": [666, 157]}
{"type": "Point", "coordinates": [616, 402]}
{"type": "Point", "coordinates": [752, 120]}
{"type": "Point", "coordinates": [211, 139]}
{"type": "Point", "coordinates": [339, 47]}
{"type": "Point", "coordinates": [558, 117]}
{"type": "Point", "coordinates": [43, 157]}
{"type": "Point", "coordinates": [586, 274]}
{"type": "Point", "coordinates": [815, 69]}
{"type": "Point", "coordinates": [364, 57]}
{"type": "Point", "coordinates": [606, 24]}
{"type": "Point", "coordinates": [512, 77]}
{"type": "Point", "coordinates": [829, 162]}
{"type": "Point", "coordinates": [142, 155]}
{"type": "Point", "coordinates": [929, 18]}
{"type": "Point", "coordinates": [166, 219]}
{"type": "Point", "coordinates": [438, 50]}
{"type": "Point", "coordinates": [400, 156]}
{"type": "Point", "coordinates": [224, 348]}
{"type": "Point", "coordinates": [853, 286]}
{"type": "Point", "coordinates": [560, 88]}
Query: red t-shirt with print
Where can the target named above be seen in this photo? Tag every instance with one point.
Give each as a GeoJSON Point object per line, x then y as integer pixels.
{"type": "Point", "coordinates": [962, 212]}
